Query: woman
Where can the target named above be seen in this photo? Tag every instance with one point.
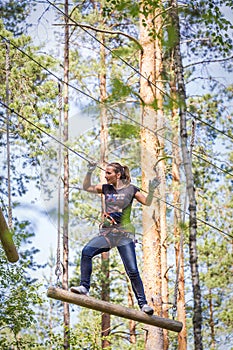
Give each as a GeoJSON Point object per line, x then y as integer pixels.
{"type": "Point", "coordinates": [116, 231]}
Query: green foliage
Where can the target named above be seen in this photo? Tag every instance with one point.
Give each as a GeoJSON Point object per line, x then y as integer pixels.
{"type": "Point", "coordinates": [17, 298]}
{"type": "Point", "coordinates": [119, 88]}
{"type": "Point", "coordinates": [212, 188]}
{"type": "Point", "coordinates": [216, 262]}
{"type": "Point", "coordinates": [149, 6]}
{"type": "Point", "coordinates": [86, 333]}
{"type": "Point", "coordinates": [124, 130]}
{"type": "Point", "coordinates": [33, 94]}
{"type": "Point", "coordinates": [127, 9]}
{"type": "Point", "coordinates": [207, 23]}
{"type": "Point", "coordinates": [14, 14]}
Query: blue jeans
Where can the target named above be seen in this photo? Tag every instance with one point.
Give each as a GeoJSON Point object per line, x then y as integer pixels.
{"type": "Point", "coordinates": [126, 248]}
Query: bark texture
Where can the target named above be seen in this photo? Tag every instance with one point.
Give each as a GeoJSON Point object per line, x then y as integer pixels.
{"type": "Point", "coordinates": [178, 234]}
{"type": "Point", "coordinates": [7, 241]}
{"type": "Point", "coordinates": [153, 217]}
{"type": "Point", "coordinates": [197, 311]}
{"type": "Point", "coordinates": [65, 278]}
{"type": "Point", "coordinates": [105, 284]}
{"type": "Point", "coordinates": [113, 309]}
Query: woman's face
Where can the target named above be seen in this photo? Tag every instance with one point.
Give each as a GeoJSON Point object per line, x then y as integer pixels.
{"type": "Point", "coordinates": [111, 176]}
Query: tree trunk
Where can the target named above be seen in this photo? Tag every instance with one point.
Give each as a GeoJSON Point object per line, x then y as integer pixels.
{"type": "Point", "coordinates": [197, 317]}
{"type": "Point", "coordinates": [211, 322]}
{"type": "Point", "coordinates": [181, 313]}
{"type": "Point", "coordinates": [105, 293]}
{"type": "Point", "coordinates": [66, 185]}
{"type": "Point", "coordinates": [179, 252]}
{"type": "Point", "coordinates": [150, 67]}
{"type": "Point", "coordinates": [161, 169]}
{"type": "Point", "coordinates": [51, 265]}
{"type": "Point", "coordinates": [132, 323]}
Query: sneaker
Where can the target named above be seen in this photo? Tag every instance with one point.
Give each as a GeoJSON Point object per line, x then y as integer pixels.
{"type": "Point", "coordinates": [147, 309]}
{"type": "Point", "coordinates": [79, 290]}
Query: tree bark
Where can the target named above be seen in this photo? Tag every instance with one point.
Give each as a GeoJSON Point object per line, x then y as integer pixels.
{"type": "Point", "coordinates": [7, 241]}
{"type": "Point", "coordinates": [197, 316]}
{"type": "Point", "coordinates": [105, 284]}
{"type": "Point", "coordinates": [161, 169]}
{"type": "Point", "coordinates": [132, 323]}
{"type": "Point", "coordinates": [65, 278]}
{"type": "Point", "coordinates": [113, 309]}
{"type": "Point", "coordinates": [179, 251]}
{"type": "Point", "coordinates": [211, 321]}
{"type": "Point", "coordinates": [153, 216]}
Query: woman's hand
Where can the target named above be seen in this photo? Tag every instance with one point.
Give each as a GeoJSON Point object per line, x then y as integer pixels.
{"type": "Point", "coordinates": [148, 199]}
{"type": "Point", "coordinates": [91, 167]}
{"type": "Point", "coordinates": [153, 184]}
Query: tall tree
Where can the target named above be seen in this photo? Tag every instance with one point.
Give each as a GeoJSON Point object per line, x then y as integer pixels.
{"type": "Point", "coordinates": [106, 320]}
{"type": "Point", "coordinates": [197, 318]}
{"type": "Point", "coordinates": [212, 188]}
{"type": "Point", "coordinates": [151, 150]}
{"type": "Point", "coordinates": [176, 188]}
{"type": "Point", "coordinates": [65, 278]}
{"type": "Point", "coordinates": [205, 42]}
{"type": "Point", "coordinates": [179, 220]}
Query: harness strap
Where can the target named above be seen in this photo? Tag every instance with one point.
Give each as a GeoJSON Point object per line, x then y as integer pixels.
{"type": "Point", "coordinates": [108, 220]}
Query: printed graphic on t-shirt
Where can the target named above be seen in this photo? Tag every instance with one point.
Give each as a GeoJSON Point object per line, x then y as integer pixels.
{"type": "Point", "coordinates": [119, 201]}
{"type": "Point", "coordinates": [115, 202]}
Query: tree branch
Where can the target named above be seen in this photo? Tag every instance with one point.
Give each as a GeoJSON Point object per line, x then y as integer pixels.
{"type": "Point", "coordinates": [87, 26]}
{"type": "Point", "coordinates": [209, 61]}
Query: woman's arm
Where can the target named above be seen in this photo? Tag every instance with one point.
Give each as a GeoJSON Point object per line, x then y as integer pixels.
{"type": "Point", "coordinates": [147, 200]}
{"type": "Point", "coordinates": [87, 186]}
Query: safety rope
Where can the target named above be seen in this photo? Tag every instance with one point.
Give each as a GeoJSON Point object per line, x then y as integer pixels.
{"type": "Point", "coordinates": [99, 167]}
{"type": "Point", "coordinates": [58, 270]}
{"type": "Point", "coordinates": [176, 288]}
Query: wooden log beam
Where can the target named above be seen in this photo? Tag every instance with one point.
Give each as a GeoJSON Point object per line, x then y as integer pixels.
{"type": "Point", "coordinates": [113, 309]}
{"type": "Point", "coordinates": [7, 241]}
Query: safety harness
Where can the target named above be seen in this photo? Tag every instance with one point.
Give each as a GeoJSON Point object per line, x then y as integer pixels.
{"type": "Point", "coordinates": [109, 225]}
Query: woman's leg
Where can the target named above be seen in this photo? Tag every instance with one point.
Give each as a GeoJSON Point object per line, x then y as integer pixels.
{"type": "Point", "coordinates": [94, 247]}
{"type": "Point", "coordinates": [126, 249]}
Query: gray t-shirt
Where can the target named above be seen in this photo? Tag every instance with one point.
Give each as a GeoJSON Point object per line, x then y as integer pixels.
{"type": "Point", "coordinates": [118, 202]}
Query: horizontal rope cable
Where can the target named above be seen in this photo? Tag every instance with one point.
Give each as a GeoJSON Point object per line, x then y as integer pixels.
{"type": "Point", "coordinates": [84, 158]}
{"type": "Point", "coordinates": [109, 108]}
{"type": "Point", "coordinates": [133, 68]}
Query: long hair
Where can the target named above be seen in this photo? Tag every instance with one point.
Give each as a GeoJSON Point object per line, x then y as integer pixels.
{"type": "Point", "coordinates": [124, 170]}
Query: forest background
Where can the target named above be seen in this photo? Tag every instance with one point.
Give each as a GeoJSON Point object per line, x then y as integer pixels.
{"type": "Point", "coordinates": [107, 118]}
